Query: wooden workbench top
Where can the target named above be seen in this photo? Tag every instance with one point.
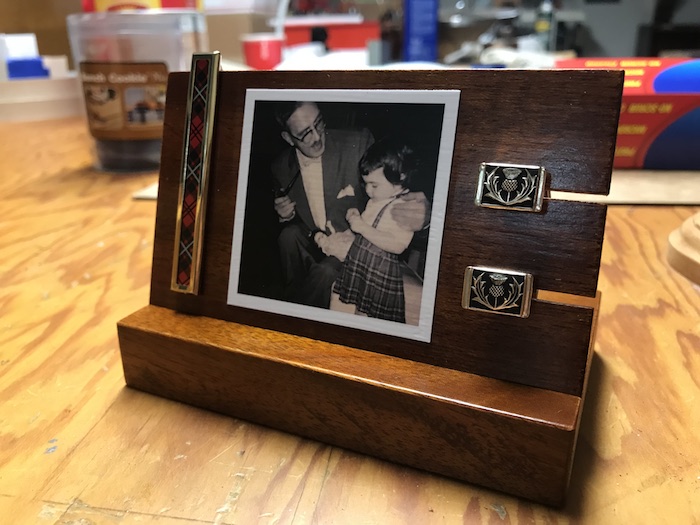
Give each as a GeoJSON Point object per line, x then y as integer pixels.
{"type": "Point", "coordinates": [77, 446]}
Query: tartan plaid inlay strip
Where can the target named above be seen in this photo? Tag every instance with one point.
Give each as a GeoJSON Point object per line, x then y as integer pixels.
{"type": "Point", "coordinates": [201, 102]}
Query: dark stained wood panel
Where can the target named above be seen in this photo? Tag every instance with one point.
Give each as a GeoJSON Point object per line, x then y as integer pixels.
{"type": "Point", "coordinates": [564, 120]}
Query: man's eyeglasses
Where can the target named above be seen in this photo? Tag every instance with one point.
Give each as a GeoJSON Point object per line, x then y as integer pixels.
{"type": "Point", "coordinates": [319, 126]}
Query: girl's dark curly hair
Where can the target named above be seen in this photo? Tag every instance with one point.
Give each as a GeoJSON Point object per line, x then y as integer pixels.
{"type": "Point", "coordinates": [396, 158]}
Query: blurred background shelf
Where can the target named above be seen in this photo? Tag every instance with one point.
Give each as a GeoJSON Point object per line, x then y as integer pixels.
{"type": "Point", "coordinates": [40, 99]}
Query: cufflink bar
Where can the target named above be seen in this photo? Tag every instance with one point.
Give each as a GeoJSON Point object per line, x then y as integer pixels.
{"type": "Point", "coordinates": [196, 155]}
{"type": "Point", "coordinates": [517, 187]}
{"type": "Point", "coordinates": [497, 291]}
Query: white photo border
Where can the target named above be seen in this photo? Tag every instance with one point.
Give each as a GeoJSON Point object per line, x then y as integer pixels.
{"type": "Point", "coordinates": [420, 332]}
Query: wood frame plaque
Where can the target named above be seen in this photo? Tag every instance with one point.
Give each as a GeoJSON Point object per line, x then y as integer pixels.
{"type": "Point", "coordinates": [486, 398]}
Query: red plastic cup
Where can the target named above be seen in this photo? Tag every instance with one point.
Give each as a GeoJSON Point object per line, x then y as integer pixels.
{"type": "Point", "coordinates": [262, 50]}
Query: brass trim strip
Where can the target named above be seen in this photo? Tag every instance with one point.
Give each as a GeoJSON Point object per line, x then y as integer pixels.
{"type": "Point", "coordinates": [187, 254]}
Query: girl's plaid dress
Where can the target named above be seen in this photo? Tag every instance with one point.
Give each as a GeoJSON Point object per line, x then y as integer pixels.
{"type": "Point", "coordinates": [371, 279]}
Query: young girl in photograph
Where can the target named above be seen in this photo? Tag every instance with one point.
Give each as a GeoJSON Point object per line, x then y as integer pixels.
{"type": "Point", "coordinates": [371, 277]}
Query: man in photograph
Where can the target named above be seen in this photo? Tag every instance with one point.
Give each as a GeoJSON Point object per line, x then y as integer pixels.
{"type": "Point", "coordinates": [316, 182]}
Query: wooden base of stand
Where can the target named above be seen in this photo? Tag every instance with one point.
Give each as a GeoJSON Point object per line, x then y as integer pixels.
{"type": "Point", "coordinates": [504, 436]}
{"type": "Point", "coordinates": [684, 248]}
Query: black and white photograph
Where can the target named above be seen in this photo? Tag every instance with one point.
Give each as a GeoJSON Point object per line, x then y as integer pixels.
{"type": "Point", "coordinates": [340, 206]}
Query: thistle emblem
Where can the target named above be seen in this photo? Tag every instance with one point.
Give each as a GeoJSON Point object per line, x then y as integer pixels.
{"type": "Point", "coordinates": [496, 289]}
{"type": "Point", "coordinates": [511, 186]}
{"type": "Point", "coordinates": [500, 295]}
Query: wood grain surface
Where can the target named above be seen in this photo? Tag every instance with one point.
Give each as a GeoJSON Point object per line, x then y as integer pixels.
{"type": "Point", "coordinates": [76, 447]}
{"type": "Point", "coordinates": [497, 434]}
{"type": "Point", "coordinates": [560, 247]}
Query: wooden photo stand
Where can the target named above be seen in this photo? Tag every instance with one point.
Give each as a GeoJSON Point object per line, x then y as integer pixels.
{"type": "Point", "coordinates": [493, 400]}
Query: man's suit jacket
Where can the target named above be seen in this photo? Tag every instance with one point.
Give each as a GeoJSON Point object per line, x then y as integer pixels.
{"type": "Point", "coordinates": [340, 162]}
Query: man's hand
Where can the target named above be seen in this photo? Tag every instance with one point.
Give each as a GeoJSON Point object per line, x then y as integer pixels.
{"type": "Point", "coordinates": [321, 240]}
{"type": "Point", "coordinates": [412, 211]}
{"type": "Point", "coordinates": [285, 208]}
{"type": "Point", "coordinates": [336, 244]}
